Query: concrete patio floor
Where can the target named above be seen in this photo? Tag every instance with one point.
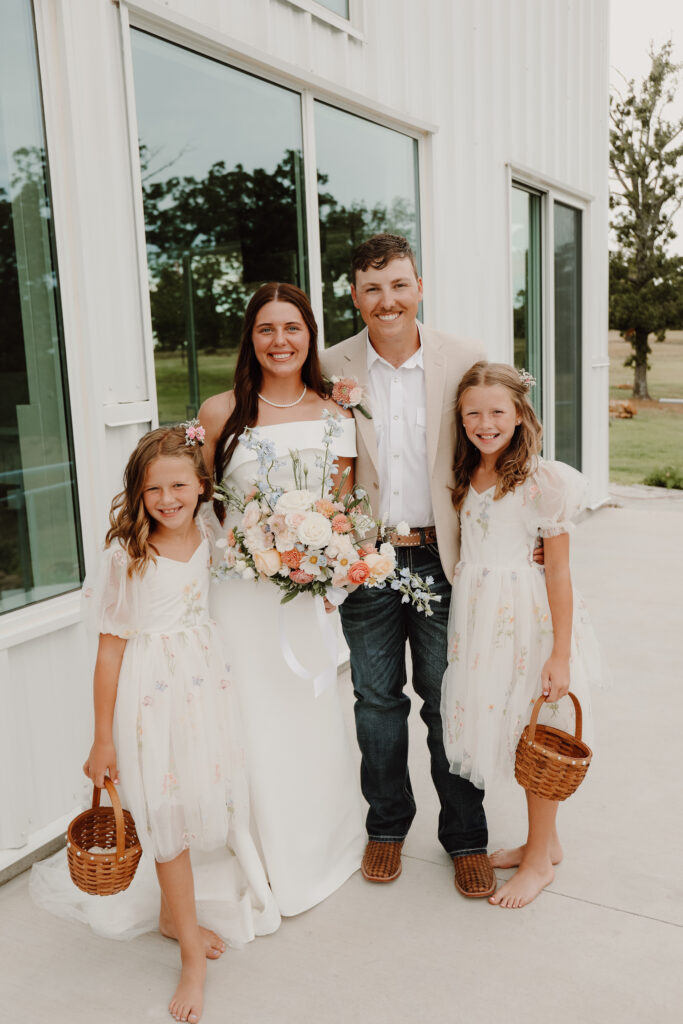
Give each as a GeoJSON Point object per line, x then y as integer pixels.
{"type": "Point", "coordinates": [603, 944]}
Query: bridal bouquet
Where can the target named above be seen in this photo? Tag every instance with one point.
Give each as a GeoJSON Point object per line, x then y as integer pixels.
{"type": "Point", "coordinates": [305, 541]}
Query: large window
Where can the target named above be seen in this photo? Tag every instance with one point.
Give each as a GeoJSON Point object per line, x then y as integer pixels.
{"type": "Point", "coordinates": [222, 182]}
{"type": "Point", "coordinates": [39, 535]}
{"type": "Point", "coordinates": [567, 261]}
{"type": "Point", "coordinates": [367, 183]}
{"type": "Point", "coordinates": [526, 287]}
{"type": "Point", "coordinates": [224, 197]}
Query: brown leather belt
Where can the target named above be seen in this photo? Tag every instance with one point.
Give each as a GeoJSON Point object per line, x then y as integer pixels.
{"type": "Point", "coordinates": [414, 539]}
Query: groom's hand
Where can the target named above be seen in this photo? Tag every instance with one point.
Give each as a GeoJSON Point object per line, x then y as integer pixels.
{"type": "Point", "coordinates": [539, 554]}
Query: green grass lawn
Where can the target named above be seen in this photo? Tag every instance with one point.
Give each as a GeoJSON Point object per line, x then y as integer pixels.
{"type": "Point", "coordinates": [654, 437]}
{"type": "Point", "coordinates": [173, 389]}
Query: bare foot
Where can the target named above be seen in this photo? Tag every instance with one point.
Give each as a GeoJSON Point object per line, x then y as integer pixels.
{"type": "Point", "coordinates": [188, 998]}
{"type": "Point", "coordinates": [513, 858]}
{"type": "Point", "coordinates": [213, 944]}
{"type": "Point", "coordinates": [524, 886]}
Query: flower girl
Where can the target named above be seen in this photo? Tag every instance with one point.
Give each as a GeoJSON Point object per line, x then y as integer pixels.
{"type": "Point", "coordinates": [164, 720]}
{"type": "Point", "coordinates": [516, 629]}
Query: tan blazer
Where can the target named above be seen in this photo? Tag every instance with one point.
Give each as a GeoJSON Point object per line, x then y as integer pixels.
{"type": "Point", "coordinates": [445, 361]}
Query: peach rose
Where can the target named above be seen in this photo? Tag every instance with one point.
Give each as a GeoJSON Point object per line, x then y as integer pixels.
{"type": "Point", "coordinates": [381, 566]}
{"type": "Point", "coordinates": [267, 562]}
{"type": "Point", "coordinates": [359, 572]}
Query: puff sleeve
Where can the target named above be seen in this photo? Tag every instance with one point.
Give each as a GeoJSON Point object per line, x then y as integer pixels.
{"type": "Point", "coordinates": [110, 596]}
{"type": "Point", "coordinates": [553, 495]}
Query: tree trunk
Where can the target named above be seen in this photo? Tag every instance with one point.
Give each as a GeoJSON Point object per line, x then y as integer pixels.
{"type": "Point", "coordinates": [640, 352]}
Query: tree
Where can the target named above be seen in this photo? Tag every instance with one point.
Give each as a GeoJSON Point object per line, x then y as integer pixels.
{"type": "Point", "coordinates": [645, 149]}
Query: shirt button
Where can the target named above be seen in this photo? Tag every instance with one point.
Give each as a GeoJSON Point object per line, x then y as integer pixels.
{"type": "Point", "coordinates": [395, 455]}
{"type": "Point", "coordinates": [395, 380]}
{"type": "Point", "coordinates": [396, 493]}
{"type": "Point", "coordinates": [395, 417]}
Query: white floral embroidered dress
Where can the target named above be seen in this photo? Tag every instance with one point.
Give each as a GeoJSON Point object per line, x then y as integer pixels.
{"type": "Point", "coordinates": [179, 754]}
{"type": "Point", "coordinates": [500, 629]}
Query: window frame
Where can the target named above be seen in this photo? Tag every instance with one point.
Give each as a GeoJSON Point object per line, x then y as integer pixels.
{"type": "Point", "coordinates": [48, 614]}
{"type": "Point", "coordinates": [552, 191]}
{"type": "Point", "coordinates": [353, 25]}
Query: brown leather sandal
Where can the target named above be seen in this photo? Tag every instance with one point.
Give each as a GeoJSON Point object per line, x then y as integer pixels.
{"type": "Point", "coordinates": [381, 861]}
{"type": "Point", "coordinates": [474, 876]}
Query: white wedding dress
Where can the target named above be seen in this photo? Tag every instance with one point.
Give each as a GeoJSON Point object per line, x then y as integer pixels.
{"type": "Point", "coordinates": [306, 807]}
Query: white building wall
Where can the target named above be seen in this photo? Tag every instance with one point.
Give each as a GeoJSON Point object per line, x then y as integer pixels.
{"type": "Point", "coordinates": [484, 84]}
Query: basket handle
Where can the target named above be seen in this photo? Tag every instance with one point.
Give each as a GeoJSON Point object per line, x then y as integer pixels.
{"type": "Point", "coordinates": [118, 813]}
{"type": "Point", "coordinates": [539, 704]}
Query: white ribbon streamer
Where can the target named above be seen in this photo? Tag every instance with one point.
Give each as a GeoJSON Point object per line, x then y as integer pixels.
{"type": "Point", "coordinates": [328, 675]}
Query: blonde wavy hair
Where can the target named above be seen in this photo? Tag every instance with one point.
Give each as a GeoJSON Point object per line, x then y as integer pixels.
{"type": "Point", "coordinates": [516, 462]}
{"type": "Point", "coordinates": [129, 520]}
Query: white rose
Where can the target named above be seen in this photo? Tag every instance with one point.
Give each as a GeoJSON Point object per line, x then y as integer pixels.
{"type": "Point", "coordinates": [256, 539]}
{"type": "Point", "coordinates": [341, 546]}
{"type": "Point", "coordinates": [402, 528]}
{"type": "Point", "coordinates": [388, 550]}
{"type": "Point", "coordinates": [315, 531]}
{"type": "Point", "coordinates": [294, 501]}
{"type": "Point", "coordinates": [285, 540]}
{"type": "Point", "coordinates": [248, 573]}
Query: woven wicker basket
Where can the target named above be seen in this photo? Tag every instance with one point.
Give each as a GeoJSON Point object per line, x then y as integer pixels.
{"type": "Point", "coordinates": [551, 763]}
{"type": "Point", "coordinates": [103, 828]}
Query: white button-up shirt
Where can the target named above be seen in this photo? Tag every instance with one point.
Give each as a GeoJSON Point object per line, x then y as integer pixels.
{"type": "Point", "coordinates": [399, 416]}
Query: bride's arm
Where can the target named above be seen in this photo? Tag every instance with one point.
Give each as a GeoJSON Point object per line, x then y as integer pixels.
{"type": "Point", "coordinates": [212, 416]}
{"type": "Point", "coordinates": [342, 465]}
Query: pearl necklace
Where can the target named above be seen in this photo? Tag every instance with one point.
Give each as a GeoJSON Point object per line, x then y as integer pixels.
{"type": "Point", "coordinates": [283, 405]}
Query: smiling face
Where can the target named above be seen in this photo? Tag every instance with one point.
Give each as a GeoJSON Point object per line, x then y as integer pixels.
{"type": "Point", "coordinates": [388, 300]}
{"type": "Point", "coordinates": [281, 339]}
{"type": "Point", "coordinates": [489, 417]}
{"type": "Point", "coordinates": [171, 491]}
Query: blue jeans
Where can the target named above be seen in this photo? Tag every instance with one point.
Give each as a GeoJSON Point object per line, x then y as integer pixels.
{"type": "Point", "coordinates": [376, 626]}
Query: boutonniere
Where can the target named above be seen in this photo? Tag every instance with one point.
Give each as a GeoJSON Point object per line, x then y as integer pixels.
{"type": "Point", "coordinates": [347, 392]}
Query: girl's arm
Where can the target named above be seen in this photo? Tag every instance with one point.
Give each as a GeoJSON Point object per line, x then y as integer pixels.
{"type": "Point", "coordinates": [555, 672]}
{"type": "Point", "coordinates": [101, 760]}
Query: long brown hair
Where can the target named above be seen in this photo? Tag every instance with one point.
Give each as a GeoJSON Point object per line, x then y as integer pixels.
{"type": "Point", "coordinates": [248, 373]}
{"type": "Point", "coordinates": [514, 464]}
{"type": "Point", "coordinates": [128, 517]}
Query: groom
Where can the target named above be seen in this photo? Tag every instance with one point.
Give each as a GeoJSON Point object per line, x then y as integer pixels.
{"type": "Point", "coordinates": [405, 462]}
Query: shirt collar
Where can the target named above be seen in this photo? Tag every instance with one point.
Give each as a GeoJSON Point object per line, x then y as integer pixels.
{"type": "Point", "coordinates": [416, 360]}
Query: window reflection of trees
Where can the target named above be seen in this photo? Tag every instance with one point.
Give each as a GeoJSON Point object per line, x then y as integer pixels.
{"type": "Point", "coordinates": [39, 547]}
{"type": "Point", "coordinates": [212, 241]}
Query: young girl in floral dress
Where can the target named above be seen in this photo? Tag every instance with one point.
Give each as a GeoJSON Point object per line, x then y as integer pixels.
{"type": "Point", "coordinates": [163, 705]}
{"type": "Point", "coordinates": [516, 629]}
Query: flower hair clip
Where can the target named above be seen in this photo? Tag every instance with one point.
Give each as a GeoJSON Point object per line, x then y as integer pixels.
{"type": "Point", "coordinates": [527, 379]}
{"type": "Point", "coordinates": [194, 433]}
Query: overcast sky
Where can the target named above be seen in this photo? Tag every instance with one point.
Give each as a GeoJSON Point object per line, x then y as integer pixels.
{"type": "Point", "coordinates": [634, 24]}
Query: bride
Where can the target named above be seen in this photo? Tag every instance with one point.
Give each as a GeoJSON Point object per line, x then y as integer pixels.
{"type": "Point", "coordinates": [305, 800]}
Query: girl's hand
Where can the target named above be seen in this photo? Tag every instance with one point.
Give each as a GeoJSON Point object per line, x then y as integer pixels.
{"type": "Point", "coordinates": [101, 761]}
{"type": "Point", "coordinates": [555, 678]}
{"type": "Point", "coordinates": [329, 607]}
